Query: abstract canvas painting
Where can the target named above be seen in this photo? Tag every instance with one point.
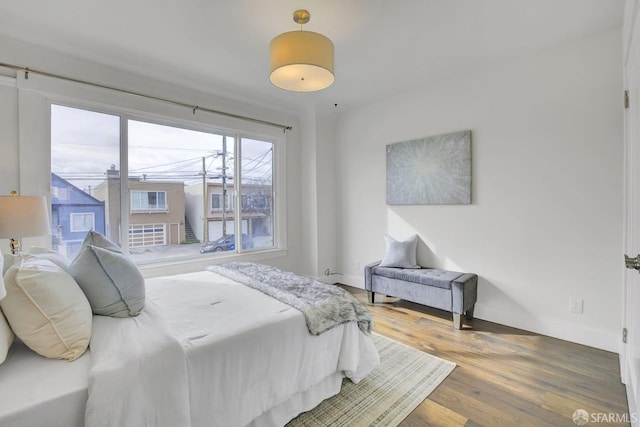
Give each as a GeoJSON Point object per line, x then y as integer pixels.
{"type": "Point", "coordinates": [435, 170]}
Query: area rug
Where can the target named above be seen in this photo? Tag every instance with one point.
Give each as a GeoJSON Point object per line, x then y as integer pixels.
{"type": "Point", "coordinates": [404, 378]}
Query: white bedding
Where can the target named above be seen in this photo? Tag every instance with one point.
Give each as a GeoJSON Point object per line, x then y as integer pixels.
{"type": "Point", "coordinates": [250, 360]}
{"type": "Point", "coordinates": [36, 391]}
{"type": "Point", "coordinates": [247, 352]}
{"type": "Point", "coordinates": [138, 374]}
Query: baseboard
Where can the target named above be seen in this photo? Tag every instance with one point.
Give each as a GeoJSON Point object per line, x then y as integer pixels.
{"type": "Point", "coordinates": [556, 329]}
{"type": "Point", "coordinates": [568, 332]}
{"type": "Point", "coordinates": [326, 279]}
{"type": "Point", "coordinates": [348, 279]}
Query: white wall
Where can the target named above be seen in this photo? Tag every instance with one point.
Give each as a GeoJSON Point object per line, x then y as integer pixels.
{"type": "Point", "coordinates": [546, 215]}
{"type": "Point", "coordinates": [308, 206]}
{"type": "Point", "coordinates": [8, 135]}
{"type": "Point", "coordinates": [327, 189]}
{"type": "Point", "coordinates": [320, 215]}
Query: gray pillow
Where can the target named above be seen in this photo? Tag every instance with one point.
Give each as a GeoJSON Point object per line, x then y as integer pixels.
{"type": "Point", "coordinates": [112, 282]}
{"type": "Point", "coordinates": [400, 254]}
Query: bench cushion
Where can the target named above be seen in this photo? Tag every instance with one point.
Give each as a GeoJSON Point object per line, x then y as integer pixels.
{"type": "Point", "coordinates": [424, 276]}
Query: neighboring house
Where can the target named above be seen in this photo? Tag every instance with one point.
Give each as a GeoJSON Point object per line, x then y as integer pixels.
{"type": "Point", "coordinates": [256, 204]}
{"type": "Point", "coordinates": [73, 213]}
{"type": "Point", "coordinates": [156, 210]}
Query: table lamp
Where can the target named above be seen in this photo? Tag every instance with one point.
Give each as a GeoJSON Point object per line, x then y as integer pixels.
{"type": "Point", "coordinates": [23, 216]}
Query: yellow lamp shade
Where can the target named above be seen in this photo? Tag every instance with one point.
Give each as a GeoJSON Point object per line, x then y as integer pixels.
{"type": "Point", "coordinates": [301, 61]}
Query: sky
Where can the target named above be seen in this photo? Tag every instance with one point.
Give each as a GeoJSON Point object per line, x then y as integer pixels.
{"type": "Point", "coordinates": [85, 144]}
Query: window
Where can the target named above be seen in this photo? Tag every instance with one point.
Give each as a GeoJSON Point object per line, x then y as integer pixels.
{"type": "Point", "coordinates": [258, 201]}
{"type": "Point", "coordinates": [145, 201]}
{"type": "Point", "coordinates": [256, 171]}
{"type": "Point", "coordinates": [216, 202]}
{"type": "Point", "coordinates": [60, 193]}
{"type": "Point", "coordinates": [85, 153]}
{"type": "Point", "coordinates": [255, 201]}
{"type": "Point", "coordinates": [169, 169]}
{"type": "Point", "coordinates": [84, 221]}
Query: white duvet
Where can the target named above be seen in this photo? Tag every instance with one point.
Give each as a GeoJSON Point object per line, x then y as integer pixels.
{"type": "Point", "coordinates": [138, 375]}
{"type": "Point", "coordinates": [213, 352]}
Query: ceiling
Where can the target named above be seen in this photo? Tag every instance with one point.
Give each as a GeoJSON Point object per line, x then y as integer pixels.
{"type": "Point", "coordinates": [382, 47]}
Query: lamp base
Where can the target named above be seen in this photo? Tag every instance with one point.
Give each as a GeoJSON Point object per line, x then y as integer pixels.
{"type": "Point", "coordinates": [15, 246]}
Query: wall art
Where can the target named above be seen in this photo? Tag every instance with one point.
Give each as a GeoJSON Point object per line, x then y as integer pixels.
{"type": "Point", "coordinates": [435, 170]}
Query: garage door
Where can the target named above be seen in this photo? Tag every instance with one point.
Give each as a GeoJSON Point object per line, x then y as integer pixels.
{"type": "Point", "coordinates": [147, 235]}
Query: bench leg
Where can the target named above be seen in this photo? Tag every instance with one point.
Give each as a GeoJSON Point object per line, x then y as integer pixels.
{"type": "Point", "coordinates": [469, 313]}
{"type": "Point", "coordinates": [457, 320]}
{"type": "Point", "coordinates": [372, 297]}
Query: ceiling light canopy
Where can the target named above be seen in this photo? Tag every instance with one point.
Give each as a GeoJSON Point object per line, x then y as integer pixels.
{"type": "Point", "coordinates": [301, 61]}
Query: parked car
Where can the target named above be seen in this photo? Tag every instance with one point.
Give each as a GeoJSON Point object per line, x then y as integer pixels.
{"type": "Point", "coordinates": [227, 243]}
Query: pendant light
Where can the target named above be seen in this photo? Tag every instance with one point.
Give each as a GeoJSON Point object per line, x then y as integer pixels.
{"type": "Point", "coordinates": [301, 61]}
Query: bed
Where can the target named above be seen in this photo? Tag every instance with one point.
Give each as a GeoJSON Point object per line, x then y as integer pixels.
{"type": "Point", "coordinates": [206, 350]}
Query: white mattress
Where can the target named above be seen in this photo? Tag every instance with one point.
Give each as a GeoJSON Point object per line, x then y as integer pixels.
{"type": "Point", "coordinates": [250, 360]}
{"type": "Point", "coordinates": [36, 391]}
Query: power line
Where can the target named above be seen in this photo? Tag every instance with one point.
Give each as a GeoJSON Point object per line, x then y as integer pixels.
{"type": "Point", "coordinates": [116, 144]}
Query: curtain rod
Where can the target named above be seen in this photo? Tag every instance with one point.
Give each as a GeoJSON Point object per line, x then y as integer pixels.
{"type": "Point", "coordinates": [194, 108]}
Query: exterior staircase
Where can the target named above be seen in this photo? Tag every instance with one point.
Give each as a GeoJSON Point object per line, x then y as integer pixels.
{"type": "Point", "coordinates": [190, 236]}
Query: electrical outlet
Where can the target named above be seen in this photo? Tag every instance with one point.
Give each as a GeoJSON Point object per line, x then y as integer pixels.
{"type": "Point", "coordinates": [576, 305]}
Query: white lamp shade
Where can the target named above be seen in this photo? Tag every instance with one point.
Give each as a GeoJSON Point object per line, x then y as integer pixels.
{"type": "Point", "coordinates": [301, 61]}
{"type": "Point", "coordinates": [23, 216]}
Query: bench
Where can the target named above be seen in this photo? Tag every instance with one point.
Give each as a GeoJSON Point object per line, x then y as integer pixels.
{"type": "Point", "coordinates": [446, 290]}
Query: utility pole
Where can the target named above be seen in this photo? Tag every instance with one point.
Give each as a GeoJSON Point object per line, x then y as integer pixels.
{"type": "Point", "coordinates": [205, 228]}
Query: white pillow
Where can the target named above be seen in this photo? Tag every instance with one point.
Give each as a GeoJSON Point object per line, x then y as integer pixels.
{"type": "Point", "coordinates": [7, 261]}
{"type": "Point", "coordinates": [400, 254]}
{"type": "Point", "coordinates": [3, 292]}
{"type": "Point", "coordinates": [6, 337]}
{"type": "Point", "coordinates": [112, 282]}
{"type": "Point", "coordinates": [55, 257]}
{"type": "Point", "coordinates": [46, 309]}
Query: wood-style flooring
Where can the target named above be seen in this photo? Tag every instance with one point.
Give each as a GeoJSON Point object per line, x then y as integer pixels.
{"type": "Point", "coordinates": [504, 376]}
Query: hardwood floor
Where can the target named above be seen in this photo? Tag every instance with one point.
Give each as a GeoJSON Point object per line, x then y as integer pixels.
{"type": "Point", "coordinates": [504, 376]}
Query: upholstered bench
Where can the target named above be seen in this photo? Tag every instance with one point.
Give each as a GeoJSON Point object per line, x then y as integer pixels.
{"type": "Point", "coordinates": [446, 290]}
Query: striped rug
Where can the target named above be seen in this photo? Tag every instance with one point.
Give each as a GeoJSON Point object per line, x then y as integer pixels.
{"type": "Point", "coordinates": [404, 378]}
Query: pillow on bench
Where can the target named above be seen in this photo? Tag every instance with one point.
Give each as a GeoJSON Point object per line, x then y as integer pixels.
{"type": "Point", "coordinates": [400, 254]}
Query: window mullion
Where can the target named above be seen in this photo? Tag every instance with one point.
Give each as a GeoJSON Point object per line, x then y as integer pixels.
{"type": "Point", "coordinates": [124, 183]}
{"type": "Point", "coordinates": [237, 186]}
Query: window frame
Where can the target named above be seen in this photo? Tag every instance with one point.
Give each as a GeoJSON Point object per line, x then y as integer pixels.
{"type": "Point", "coordinates": [37, 95]}
{"type": "Point", "coordinates": [219, 196]}
{"type": "Point", "coordinates": [163, 209]}
{"type": "Point", "coordinates": [72, 229]}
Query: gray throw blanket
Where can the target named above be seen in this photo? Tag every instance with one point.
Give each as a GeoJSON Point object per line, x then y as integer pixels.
{"type": "Point", "coordinates": [324, 306]}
